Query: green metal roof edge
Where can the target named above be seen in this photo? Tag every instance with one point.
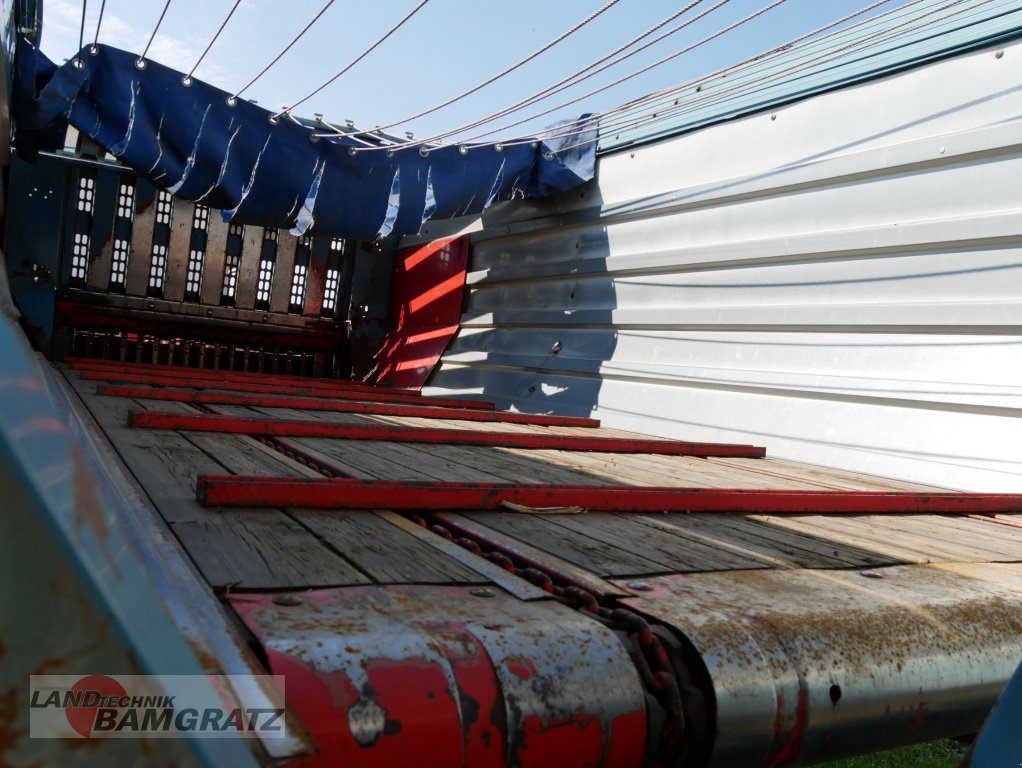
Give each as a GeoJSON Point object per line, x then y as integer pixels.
{"type": "Point", "coordinates": [985, 23]}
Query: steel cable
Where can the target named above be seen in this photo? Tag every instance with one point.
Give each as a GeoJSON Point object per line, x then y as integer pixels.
{"type": "Point", "coordinates": [880, 36]}
{"type": "Point", "coordinates": [78, 63]}
{"type": "Point", "coordinates": [357, 59]}
{"type": "Point", "coordinates": [505, 71]}
{"type": "Point", "coordinates": [140, 61]}
{"type": "Point", "coordinates": [670, 93]}
{"type": "Point", "coordinates": [188, 78]}
{"type": "Point", "coordinates": [287, 48]}
{"type": "Point", "coordinates": [99, 23]}
{"type": "Point", "coordinates": [586, 72]}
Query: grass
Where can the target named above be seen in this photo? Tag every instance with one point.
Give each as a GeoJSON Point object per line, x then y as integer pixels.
{"type": "Point", "coordinates": [936, 754]}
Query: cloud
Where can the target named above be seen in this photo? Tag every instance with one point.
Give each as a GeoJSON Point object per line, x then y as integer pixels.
{"type": "Point", "coordinates": [62, 25]}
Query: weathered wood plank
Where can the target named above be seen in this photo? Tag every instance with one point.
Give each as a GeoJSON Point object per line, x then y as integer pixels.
{"type": "Point", "coordinates": [673, 553]}
{"type": "Point", "coordinates": [241, 549]}
{"type": "Point", "coordinates": [578, 548]}
{"type": "Point", "coordinates": [387, 554]}
{"type": "Point", "coordinates": [787, 548]}
{"type": "Point", "coordinates": [515, 545]}
{"type": "Point", "coordinates": [262, 549]}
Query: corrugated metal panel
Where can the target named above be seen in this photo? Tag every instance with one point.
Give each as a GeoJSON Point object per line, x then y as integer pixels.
{"type": "Point", "coordinates": [840, 279]}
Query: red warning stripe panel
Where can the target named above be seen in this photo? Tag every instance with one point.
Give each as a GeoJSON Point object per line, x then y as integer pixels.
{"type": "Point", "coordinates": [290, 428]}
{"type": "Point", "coordinates": [378, 395]}
{"type": "Point", "coordinates": [431, 411]}
{"type": "Point", "coordinates": [196, 374]}
{"type": "Point", "coordinates": [234, 490]}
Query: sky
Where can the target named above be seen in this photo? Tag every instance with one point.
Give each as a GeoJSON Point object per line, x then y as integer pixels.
{"type": "Point", "coordinates": [448, 47]}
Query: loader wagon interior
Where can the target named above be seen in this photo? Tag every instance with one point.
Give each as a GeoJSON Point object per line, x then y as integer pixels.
{"type": "Point", "coordinates": [233, 450]}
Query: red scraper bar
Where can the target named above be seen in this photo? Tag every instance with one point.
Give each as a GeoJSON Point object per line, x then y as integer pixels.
{"type": "Point", "coordinates": [112, 371]}
{"type": "Point", "coordinates": [434, 410]}
{"type": "Point", "coordinates": [379, 395]}
{"type": "Point", "coordinates": [240, 491]}
{"type": "Point", "coordinates": [403, 434]}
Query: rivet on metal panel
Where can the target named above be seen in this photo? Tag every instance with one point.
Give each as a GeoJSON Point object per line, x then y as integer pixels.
{"type": "Point", "coordinates": [773, 116]}
{"type": "Point", "coordinates": [482, 592]}
{"type": "Point", "coordinates": [999, 55]}
{"type": "Point", "coordinates": [872, 575]}
{"type": "Point", "coordinates": [639, 586]}
{"type": "Point", "coordinates": [287, 600]}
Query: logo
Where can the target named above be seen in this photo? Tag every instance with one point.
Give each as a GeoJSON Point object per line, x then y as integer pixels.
{"type": "Point", "coordinates": [159, 706]}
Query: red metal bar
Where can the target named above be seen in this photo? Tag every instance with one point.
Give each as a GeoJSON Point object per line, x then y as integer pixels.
{"type": "Point", "coordinates": [290, 428]}
{"type": "Point", "coordinates": [192, 374]}
{"type": "Point", "coordinates": [368, 394]}
{"type": "Point", "coordinates": [344, 406]}
{"type": "Point", "coordinates": [163, 373]}
{"type": "Point", "coordinates": [239, 491]}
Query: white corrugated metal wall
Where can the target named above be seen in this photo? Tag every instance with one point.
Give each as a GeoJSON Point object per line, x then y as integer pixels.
{"type": "Point", "coordinates": [839, 279]}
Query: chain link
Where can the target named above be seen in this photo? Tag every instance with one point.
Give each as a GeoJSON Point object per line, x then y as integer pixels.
{"type": "Point", "coordinates": [652, 659]}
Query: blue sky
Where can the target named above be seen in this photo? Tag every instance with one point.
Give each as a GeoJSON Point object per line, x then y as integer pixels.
{"type": "Point", "coordinates": [448, 47]}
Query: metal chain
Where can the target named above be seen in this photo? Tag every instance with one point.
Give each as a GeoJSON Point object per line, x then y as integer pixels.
{"type": "Point", "coordinates": [652, 661]}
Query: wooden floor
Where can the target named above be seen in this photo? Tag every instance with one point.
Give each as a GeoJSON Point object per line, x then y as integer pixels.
{"type": "Point", "coordinates": [241, 549]}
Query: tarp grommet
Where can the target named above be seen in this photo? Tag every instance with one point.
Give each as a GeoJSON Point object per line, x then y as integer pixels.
{"type": "Point", "coordinates": [140, 64]}
{"type": "Point", "coordinates": [232, 101]}
{"type": "Point", "coordinates": [187, 81]}
{"type": "Point", "coordinates": [463, 149]}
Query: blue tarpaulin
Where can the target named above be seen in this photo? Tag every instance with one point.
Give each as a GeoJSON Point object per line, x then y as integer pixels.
{"type": "Point", "coordinates": [202, 145]}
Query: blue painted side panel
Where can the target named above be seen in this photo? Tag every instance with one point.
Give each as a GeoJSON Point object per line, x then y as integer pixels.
{"type": "Point", "coordinates": [80, 595]}
{"type": "Point", "coordinates": [1000, 741]}
{"type": "Point", "coordinates": [32, 242]}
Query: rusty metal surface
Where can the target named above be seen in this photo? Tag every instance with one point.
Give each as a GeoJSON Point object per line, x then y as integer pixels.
{"type": "Point", "coordinates": [191, 606]}
{"type": "Point", "coordinates": [450, 676]}
{"type": "Point", "coordinates": [813, 665]}
{"type": "Point", "coordinates": [79, 595]}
